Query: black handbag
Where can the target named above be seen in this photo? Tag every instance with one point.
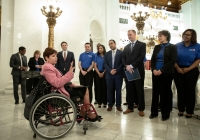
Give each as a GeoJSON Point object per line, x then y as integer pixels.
{"type": "Point", "coordinates": [30, 100]}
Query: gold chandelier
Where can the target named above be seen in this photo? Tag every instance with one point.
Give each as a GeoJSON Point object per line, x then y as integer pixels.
{"type": "Point", "coordinates": [139, 15]}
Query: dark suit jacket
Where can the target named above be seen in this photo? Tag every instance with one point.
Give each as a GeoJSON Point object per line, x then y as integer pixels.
{"type": "Point", "coordinates": [170, 56]}
{"type": "Point", "coordinates": [117, 64]}
{"type": "Point", "coordinates": [15, 64]}
{"type": "Point", "coordinates": [32, 63]}
{"type": "Point", "coordinates": [136, 57]}
{"type": "Point", "coordinates": [61, 64]}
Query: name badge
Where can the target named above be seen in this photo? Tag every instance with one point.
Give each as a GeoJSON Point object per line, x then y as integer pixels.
{"type": "Point", "coordinates": [90, 55]}
{"type": "Point", "coordinates": [192, 50]}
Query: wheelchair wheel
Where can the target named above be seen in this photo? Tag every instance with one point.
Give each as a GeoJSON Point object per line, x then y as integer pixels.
{"type": "Point", "coordinates": [52, 116]}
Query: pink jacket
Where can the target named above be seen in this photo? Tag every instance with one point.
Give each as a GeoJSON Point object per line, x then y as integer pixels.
{"type": "Point", "coordinates": [55, 78]}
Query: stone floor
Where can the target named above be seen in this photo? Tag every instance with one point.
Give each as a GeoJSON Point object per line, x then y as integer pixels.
{"type": "Point", "coordinates": [114, 126]}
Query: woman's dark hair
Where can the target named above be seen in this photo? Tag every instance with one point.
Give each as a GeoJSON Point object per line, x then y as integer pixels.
{"type": "Point", "coordinates": [165, 33]}
{"type": "Point", "coordinates": [104, 50]}
{"type": "Point", "coordinates": [193, 37]}
{"type": "Point", "coordinates": [48, 51]}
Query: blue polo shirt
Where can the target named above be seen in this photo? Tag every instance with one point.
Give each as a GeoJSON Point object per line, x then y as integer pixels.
{"type": "Point", "coordinates": [99, 60]}
{"type": "Point", "coordinates": [86, 59]}
{"type": "Point", "coordinates": [160, 56]}
{"type": "Point", "coordinates": [187, 55]}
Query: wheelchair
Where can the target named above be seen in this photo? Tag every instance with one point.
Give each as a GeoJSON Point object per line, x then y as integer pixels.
{"type": "Point", "coordinates": [53, 114]}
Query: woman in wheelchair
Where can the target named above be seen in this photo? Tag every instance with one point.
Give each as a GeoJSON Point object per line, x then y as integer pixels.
{"type": "Point", "coordinates": [59, 81]}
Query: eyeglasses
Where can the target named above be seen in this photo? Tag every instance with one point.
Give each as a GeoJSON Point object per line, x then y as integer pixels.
{"type": "Point", "coordinates": [186, 34]}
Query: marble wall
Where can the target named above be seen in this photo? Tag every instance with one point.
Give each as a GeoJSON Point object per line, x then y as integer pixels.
{"type": "Point", "coordinates": [24, 25]}
{"type": "Point", "coordinates": [191, 18]}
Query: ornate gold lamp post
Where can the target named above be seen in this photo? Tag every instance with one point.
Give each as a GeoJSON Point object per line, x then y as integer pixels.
{"type": "Point", "coordinates": [51, 12]}
{"type": "Point", "coordinates": [139, 14]}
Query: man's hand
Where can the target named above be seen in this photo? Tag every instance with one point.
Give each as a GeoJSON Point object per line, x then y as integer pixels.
{"type": "Point", "coordinates": [113, 71]}
{"type": "Point", "coordinates": [128, 68]}
{"type": "Point", "coordinates": [101, 75]}
{"type": "Point", "coordinates": [84, 72]}
{"type": "Point", "coordinates": [23, 68]}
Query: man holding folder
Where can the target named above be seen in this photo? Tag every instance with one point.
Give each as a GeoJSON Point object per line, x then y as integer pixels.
{"type": "Point", "coordinates": [132, 59]}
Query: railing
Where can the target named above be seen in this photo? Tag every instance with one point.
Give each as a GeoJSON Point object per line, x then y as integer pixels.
{"type": "Point", "coordinates": [126, 8]}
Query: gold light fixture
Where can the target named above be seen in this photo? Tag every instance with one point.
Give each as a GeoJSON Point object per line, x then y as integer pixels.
{"type": "Point", "coordinates": [151, 37]}
{"type": "Point", "coordinates": [154, 13]}
{"type": "Point", "coordinates": [51, 12]}
{"type": "Point", "coordinates": [139, 15]}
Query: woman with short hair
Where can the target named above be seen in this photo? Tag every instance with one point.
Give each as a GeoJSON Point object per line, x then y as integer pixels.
{"type": "Point", "coordinates": [162, 66]}
{"type": "Point", "coordinates": [58, 82]}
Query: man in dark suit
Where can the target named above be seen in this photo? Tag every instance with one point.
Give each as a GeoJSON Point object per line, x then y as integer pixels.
{"type": "Point", "coordinates": [114, 75]}
{"type": "Point", "coordinates": [18, 63]}
{"type": "Point", "coordinates": [65, 58]}
{"type": "Point", "coordinates": [133, 56]}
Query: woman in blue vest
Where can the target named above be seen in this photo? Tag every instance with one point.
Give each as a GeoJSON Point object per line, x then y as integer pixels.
{"type": "Point", "coordinates": [186, 72]}
{"type": "Point", "coordinates": [100, 77]}
{"type": "Point", "coordinates": [162, 66]}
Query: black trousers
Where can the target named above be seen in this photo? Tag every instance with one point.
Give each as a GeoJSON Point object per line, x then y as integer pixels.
{"type": "Point", "coordinates": [135, 87]}
{"type": "Point", "coordinates": [87, 80]}
{"type": "Point", "coordinates": [16, 81]}
{"type": "Point", "coordinates": [185, 84]}
{"type": "Point", "coordinates": [95, 89]}
{"type": "Point", "coordinates": [101, 89]}
{"type": "Point", "coordinates": [162, 86]}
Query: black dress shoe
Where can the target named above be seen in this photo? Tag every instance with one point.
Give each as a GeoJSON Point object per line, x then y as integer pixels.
{"type": "Point", "coordinates": [187, 116]}
{"type": "Point", "coordinates": [23, 101]}
{"type": "Point", "coordinates": [125, 103]}
{"type": "Point", "coordinates": [180, 114]}
{"type": "Point", "coordinates": [16, 102]}
{"type": "Point", "coordinates": [165, 118]}
{"type": "Point", "coordinates": [95, 102]}
{"type": "Point", "coordinates": [153, 116]}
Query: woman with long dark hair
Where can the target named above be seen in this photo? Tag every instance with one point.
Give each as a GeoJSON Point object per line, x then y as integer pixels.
{"type": "Point", "coordinates": [100, 77]}
{"type": "Point", "coordinates": [162, 66]}
{"type": "Point", "coordinates": [186, 72]}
